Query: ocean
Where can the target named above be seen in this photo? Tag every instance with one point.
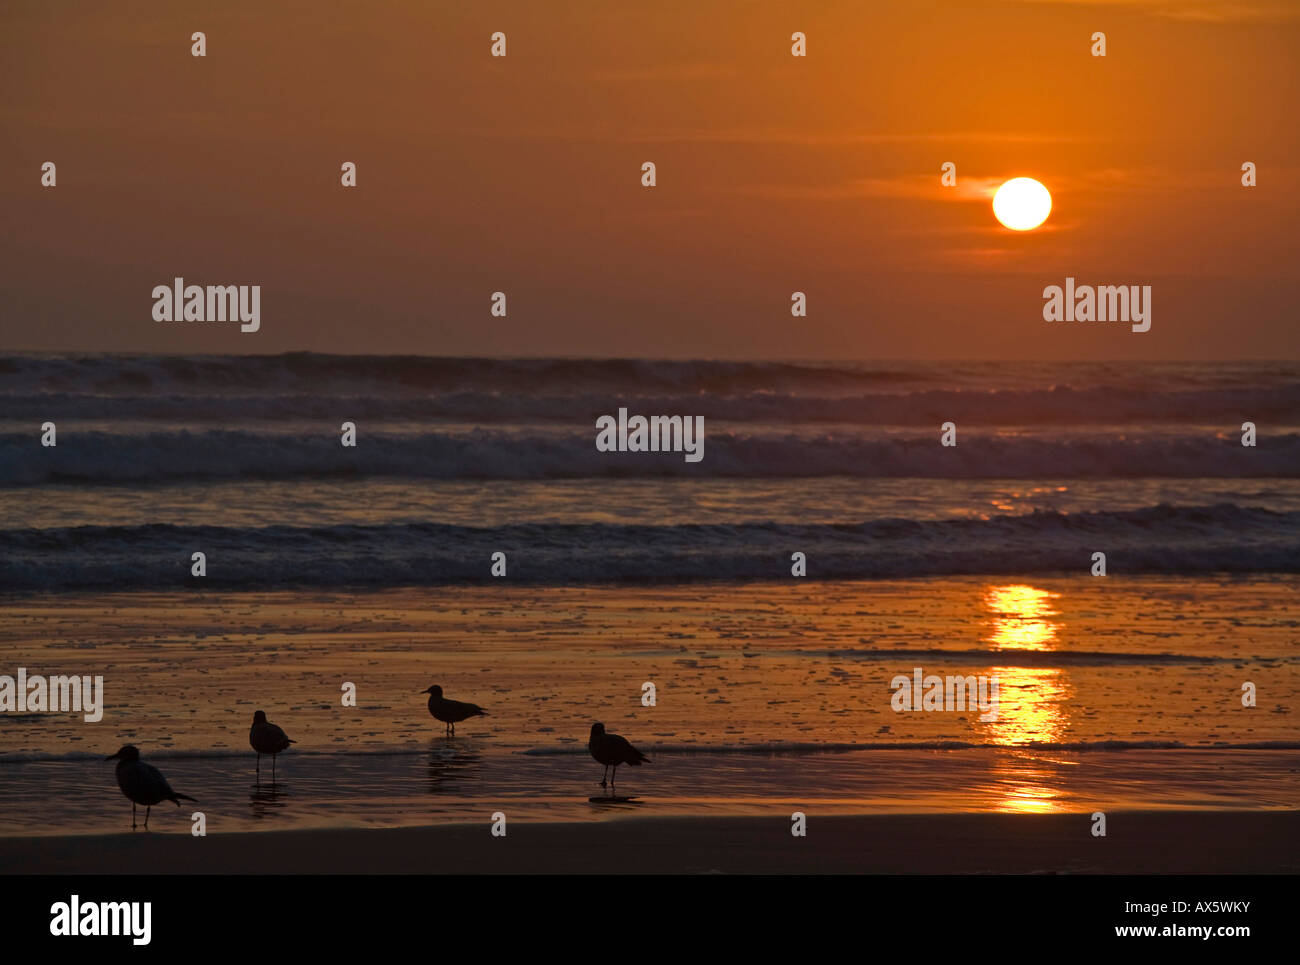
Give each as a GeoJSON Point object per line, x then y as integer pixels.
{"type": "Point", "coordinates": [456, 459]}
{"type": "Point", "coordinates": [373, 565]}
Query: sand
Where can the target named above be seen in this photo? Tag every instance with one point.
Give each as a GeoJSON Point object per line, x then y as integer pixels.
{"type": "Point", "coordinates": [1168, 842]}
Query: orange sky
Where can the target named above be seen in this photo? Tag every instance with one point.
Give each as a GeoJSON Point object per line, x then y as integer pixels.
{"type": "Point", "coordinates": [776, 174]}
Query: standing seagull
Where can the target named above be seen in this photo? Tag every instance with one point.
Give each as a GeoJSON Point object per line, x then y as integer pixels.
{"type": "Point", "coordinates": [266, 738]}
{"type": "Point", "coordinates": [142, 783]}
{"type": "Point", "coordinates": [450, 712]}
{"type": "Point", "coordinates": [612, 750]}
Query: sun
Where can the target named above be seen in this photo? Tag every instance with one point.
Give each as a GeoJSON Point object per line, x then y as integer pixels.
{"type": "Point", "coordinates": [1022, 204]}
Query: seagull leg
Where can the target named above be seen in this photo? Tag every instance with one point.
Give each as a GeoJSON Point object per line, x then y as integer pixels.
{"type": "Point", "coordinates": [272, 770]}
{"type": "Point", "coordinates": [259, 767]}
{"type": "Point", "coordinates": [132, 815]}
{"type": "Point", "coordinates": [604, 774]}
{"type": "Point", "coordinates": [612, 778]}
{"type": "Point", "coordinates": [146, 817]}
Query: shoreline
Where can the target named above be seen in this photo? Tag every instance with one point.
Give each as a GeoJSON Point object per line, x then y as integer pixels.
{"type": "Point", "coordinates": [1137, 842]}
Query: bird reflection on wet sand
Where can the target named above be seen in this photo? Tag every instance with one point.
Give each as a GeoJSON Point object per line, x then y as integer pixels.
{"type": "Point", "coordinates": [267, 800]}
{"type": "Point", "coordinates": [450, 768]}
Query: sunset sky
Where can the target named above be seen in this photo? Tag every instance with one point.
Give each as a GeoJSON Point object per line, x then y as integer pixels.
{"type": "Point", "coordinates": [775, 174]}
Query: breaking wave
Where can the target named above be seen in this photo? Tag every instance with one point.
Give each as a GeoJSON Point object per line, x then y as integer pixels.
{"type": "Point", "coordinates": [1156, 539]}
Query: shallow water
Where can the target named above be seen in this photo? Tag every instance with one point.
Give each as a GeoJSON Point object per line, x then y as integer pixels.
{"type": "Point", "coordinates": [466, 781]}
{"type": "Point", "coordinates": [1154, 665]}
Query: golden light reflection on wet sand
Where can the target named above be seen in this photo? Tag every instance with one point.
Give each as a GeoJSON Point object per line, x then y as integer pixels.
{"type": "Point", "coordinates": [1032, 705]}
{"type": "Point", "coordinates": [1032, 701]}
{"type": "Point", "coordinates": [1029, 784]}
{"type": "Point", "coordinates": [1021, 617]}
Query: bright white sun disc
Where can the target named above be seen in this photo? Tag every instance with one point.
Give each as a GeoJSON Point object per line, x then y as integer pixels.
{"type": "Point", "coordinates": [1022, 204]}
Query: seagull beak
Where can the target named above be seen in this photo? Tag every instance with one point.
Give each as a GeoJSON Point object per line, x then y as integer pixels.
{"type": "Point", "coordinates": [113, 757]}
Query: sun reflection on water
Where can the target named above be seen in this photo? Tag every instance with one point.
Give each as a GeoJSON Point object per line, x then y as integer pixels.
{"type": "Point", "coordinates": [1033, 702]}
{"type": "Point", "coordinates": [1021, 617]}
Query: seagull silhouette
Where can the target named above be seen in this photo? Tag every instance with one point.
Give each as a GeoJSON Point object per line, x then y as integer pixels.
{"type": "Point", "coordinates": [450, 712]}
{"type": "Point", "coordinates": [612, 750]}
{"type": "Point", "coordinates": [266, 738]}
{"type": "Point", "coordinates": [142, 783]}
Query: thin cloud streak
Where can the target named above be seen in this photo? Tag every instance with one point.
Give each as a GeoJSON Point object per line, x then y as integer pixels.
{"type": "Point", "coordinates": [1197, 11]}
{"type": "Point", "coordinates": [779, 137]}
{"type": "Point", "coordinates": [980, 188]}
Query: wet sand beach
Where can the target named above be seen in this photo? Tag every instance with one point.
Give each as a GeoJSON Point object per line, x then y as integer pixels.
{"type": "Point", "coordinates": [1136, 843]}
{"type": "Point", "coordinates": [1115, 695]}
